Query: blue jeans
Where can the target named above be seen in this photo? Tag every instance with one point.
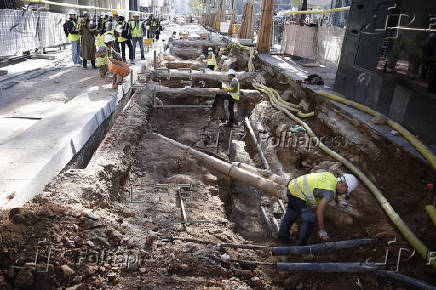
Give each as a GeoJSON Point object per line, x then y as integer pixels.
{"type": "Point", "coordinates": [297, 208]}
{"type": "Point", "coordinates": [75, 51]}
{"type": "Point", "coordinates": [141, 45]}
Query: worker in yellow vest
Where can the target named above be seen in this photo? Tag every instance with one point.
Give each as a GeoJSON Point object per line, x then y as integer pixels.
{"type": "Point", "coordinates": [211, 60]}
{"type": "Point", "coordinates": [123, 40]}
{"type": "Point", "coordinates": [102, 55]}
{"type": "Point", "coordinates": [231, 95]}
{"type": "Point", "coordinates": [313, 191]}
{"type": "Point", "coordinates": [73, 35]}
{"type": "Point", "coordinates": [138, 31]}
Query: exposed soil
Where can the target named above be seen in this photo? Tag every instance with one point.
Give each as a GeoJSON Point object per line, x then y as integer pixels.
{"type": "Point", "coordinates": [117, 223]}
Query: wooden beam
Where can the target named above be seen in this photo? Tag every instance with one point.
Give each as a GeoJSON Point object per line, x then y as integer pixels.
{"type": "Point", "coordinates": [265, 27]}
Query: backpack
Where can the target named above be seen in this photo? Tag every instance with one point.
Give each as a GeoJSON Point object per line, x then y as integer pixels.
{"type": "Point", "coordinates": [127, 32]}
{"type": "Point", "coordinates": [66, 28]}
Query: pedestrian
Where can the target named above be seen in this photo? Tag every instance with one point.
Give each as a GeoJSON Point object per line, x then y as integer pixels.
{"type": "Point", "coordinates": [211, 60]}
{"type": "Point", "coordinates": [310, 191]}
{"type": "Point", "coordinates": [104, 52]}
{"type": "Point", "coordinates": [231, 95]}
{"type": "Point", "coordinates": [72, 28]}
{"type": "Point", "coordinates": [87, 31]}
{"type": "Point", "coordinates": [138, 28]}
{"type": "Point", "coordinates": [123, 40]}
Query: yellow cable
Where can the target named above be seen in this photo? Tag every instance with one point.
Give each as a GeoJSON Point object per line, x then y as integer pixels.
{"type": "Point", "coordinates": [403, 131]}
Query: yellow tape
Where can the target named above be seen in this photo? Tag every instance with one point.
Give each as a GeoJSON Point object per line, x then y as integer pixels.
{"type": "Point", "coordinates": [315, 11]}
{"type": "Point", "coordinates": [79, 6]}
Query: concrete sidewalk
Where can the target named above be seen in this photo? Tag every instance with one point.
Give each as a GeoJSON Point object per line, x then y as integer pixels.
{"type": "Point", "coordinates": [46, 120]}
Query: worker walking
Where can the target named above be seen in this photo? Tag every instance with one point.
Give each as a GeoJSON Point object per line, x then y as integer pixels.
{"type": "Point", "coordinates": [310, 191]}
{"type": "Point", "coordinates": [138, 29]}
{"type": "Point", "coordinates": [232, 95]}
{"type": "Point", "coordinates": [211, 60]}
{"type": "Point", "coordinates": [72, 28]}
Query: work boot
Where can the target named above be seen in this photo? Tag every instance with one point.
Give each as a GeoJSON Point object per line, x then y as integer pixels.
{"type": "Point", "coordinates": [85, 64]}
{"type": "Point", "coordinates": [142, 58]}
{"type": "Point", "coordinates": [93, 64]}
{"type": "Point", "coordinates": [229, 125]}
{"type": "Point", "coordinates": [132, 61]}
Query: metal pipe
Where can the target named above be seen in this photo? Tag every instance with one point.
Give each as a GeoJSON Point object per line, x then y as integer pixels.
{"type": "Point", "coordinates": [266, 219]}
{"type": "Point", "coordinates": [253, 137]}
{"type": "Point", "coordinates": [322, 248]}
{"type": "Point", "coordinates": [327, 267]}
{"type": "Point", "coordinates": [403, 280]}
{"type": "Point", "coordinates": [276, 224]}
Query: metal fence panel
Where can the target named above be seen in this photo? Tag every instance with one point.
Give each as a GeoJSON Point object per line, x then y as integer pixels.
{"type": "Point", "coordinates": [28, 30]}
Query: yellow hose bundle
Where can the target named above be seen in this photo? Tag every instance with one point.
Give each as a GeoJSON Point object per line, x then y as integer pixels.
{"type": "Point", "coordinates": [280, 104]}
{"type": "Point", "coordinates": [395, 218]}
{"type": "Point", "coordinates": [403, 131]}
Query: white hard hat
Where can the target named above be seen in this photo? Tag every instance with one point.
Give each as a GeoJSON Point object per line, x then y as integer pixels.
{"type": "Point", "coordinates": [84, 12]}
{"type": "Point", "coordinates": [119, 29]}
{"type": "Point", "coordinates": [72, 12]}
{"type": "Point", "coordinates": [351, 182]}
{"type": "Point", "coordinates": [231, 72]}
{"type": "Point", "coordinates": [108, 38]}
{"type": "Point", "coordinates": [210, 48]}
{"type": "Point", "coordinates": [136, 14]}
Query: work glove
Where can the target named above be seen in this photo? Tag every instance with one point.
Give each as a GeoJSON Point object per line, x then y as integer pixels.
{"type": "Point", "coordinates": [323, 235]}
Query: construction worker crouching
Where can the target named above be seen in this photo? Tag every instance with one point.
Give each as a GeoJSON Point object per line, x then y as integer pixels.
{"type": "Point", "coordinates": [104, 52]}
{"type": "Point", "coordinates": [310, 191]}
{"type": "Point", "coordinates": [232, 95]}
{"type": "Point", "coordinates": [211, 60]}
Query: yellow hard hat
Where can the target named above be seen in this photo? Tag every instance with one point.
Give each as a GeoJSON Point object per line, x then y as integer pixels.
{"type": "Point", "coordinates": [114, 12]}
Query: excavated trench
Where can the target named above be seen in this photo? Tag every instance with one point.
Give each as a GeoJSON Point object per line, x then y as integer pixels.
{"type": "Point", "coordinates": [398, 173]}
{"type": "Point", "coordinates": [149, 190]}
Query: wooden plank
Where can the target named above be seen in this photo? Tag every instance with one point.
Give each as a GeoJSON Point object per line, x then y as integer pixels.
{"type": "Point", "coordinates": [265, 27]}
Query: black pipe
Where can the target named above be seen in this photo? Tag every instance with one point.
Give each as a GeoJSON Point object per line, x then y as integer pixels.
{"type": "Point", "coordinates": [327, 267]}
{"type": "Point", "coordinates": [403, 280]}
{"type": "Point", "coordinates": [322, 248]}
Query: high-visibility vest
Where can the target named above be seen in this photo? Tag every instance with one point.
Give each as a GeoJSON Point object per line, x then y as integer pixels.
{"type": "Point", "coordinates": [137, 30]}
{"type": "Point", "coordinates": [235, 95]}
{"type": "Point", "coordinates": [147, 27]}
{"type": "Point", "coordinates": [74, 37]}
{"type": "Point", "coordinates": [99, 40]}
{"type": "Point", "coordinates": [212, 60]}
{"type": "Point", "coordinates": [303, 186]}
{"type": "Point", "coordinates": [120, 38]}
{"type": "Point", "coordinates": [100, 61]}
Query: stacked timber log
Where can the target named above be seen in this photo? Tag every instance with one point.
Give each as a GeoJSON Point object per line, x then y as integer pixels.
{"type": "Point", "coordinates": [247, 26]}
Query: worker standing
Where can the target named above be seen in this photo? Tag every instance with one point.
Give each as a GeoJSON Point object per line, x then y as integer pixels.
{"type": "Point", "coordinates": [73, 35]}
{"type": "Point", "coordinates": [232, 95]}
{"type": "Point", "coordinates": [114, 25]}
{"type": "Point", "coordinates": [211, 60]}
{"type": "Point", "coordinates": [138, 28]}
{"type": "Point", "coordinates": [123, 40]}
{"type": "Point", "coordinates": [104, 52]}
{"type": "Point", "coordinates": [310, 191]}
{"type": "Point", "coordinates": [87, 31]}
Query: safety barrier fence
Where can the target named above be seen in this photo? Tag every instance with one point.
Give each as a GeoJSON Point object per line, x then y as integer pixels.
{"type": "Point", "coordinates": [22, 31]}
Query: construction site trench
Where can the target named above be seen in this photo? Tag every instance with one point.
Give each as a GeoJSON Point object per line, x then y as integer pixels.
{"type": "Point", "coordinates": [139, 214]}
